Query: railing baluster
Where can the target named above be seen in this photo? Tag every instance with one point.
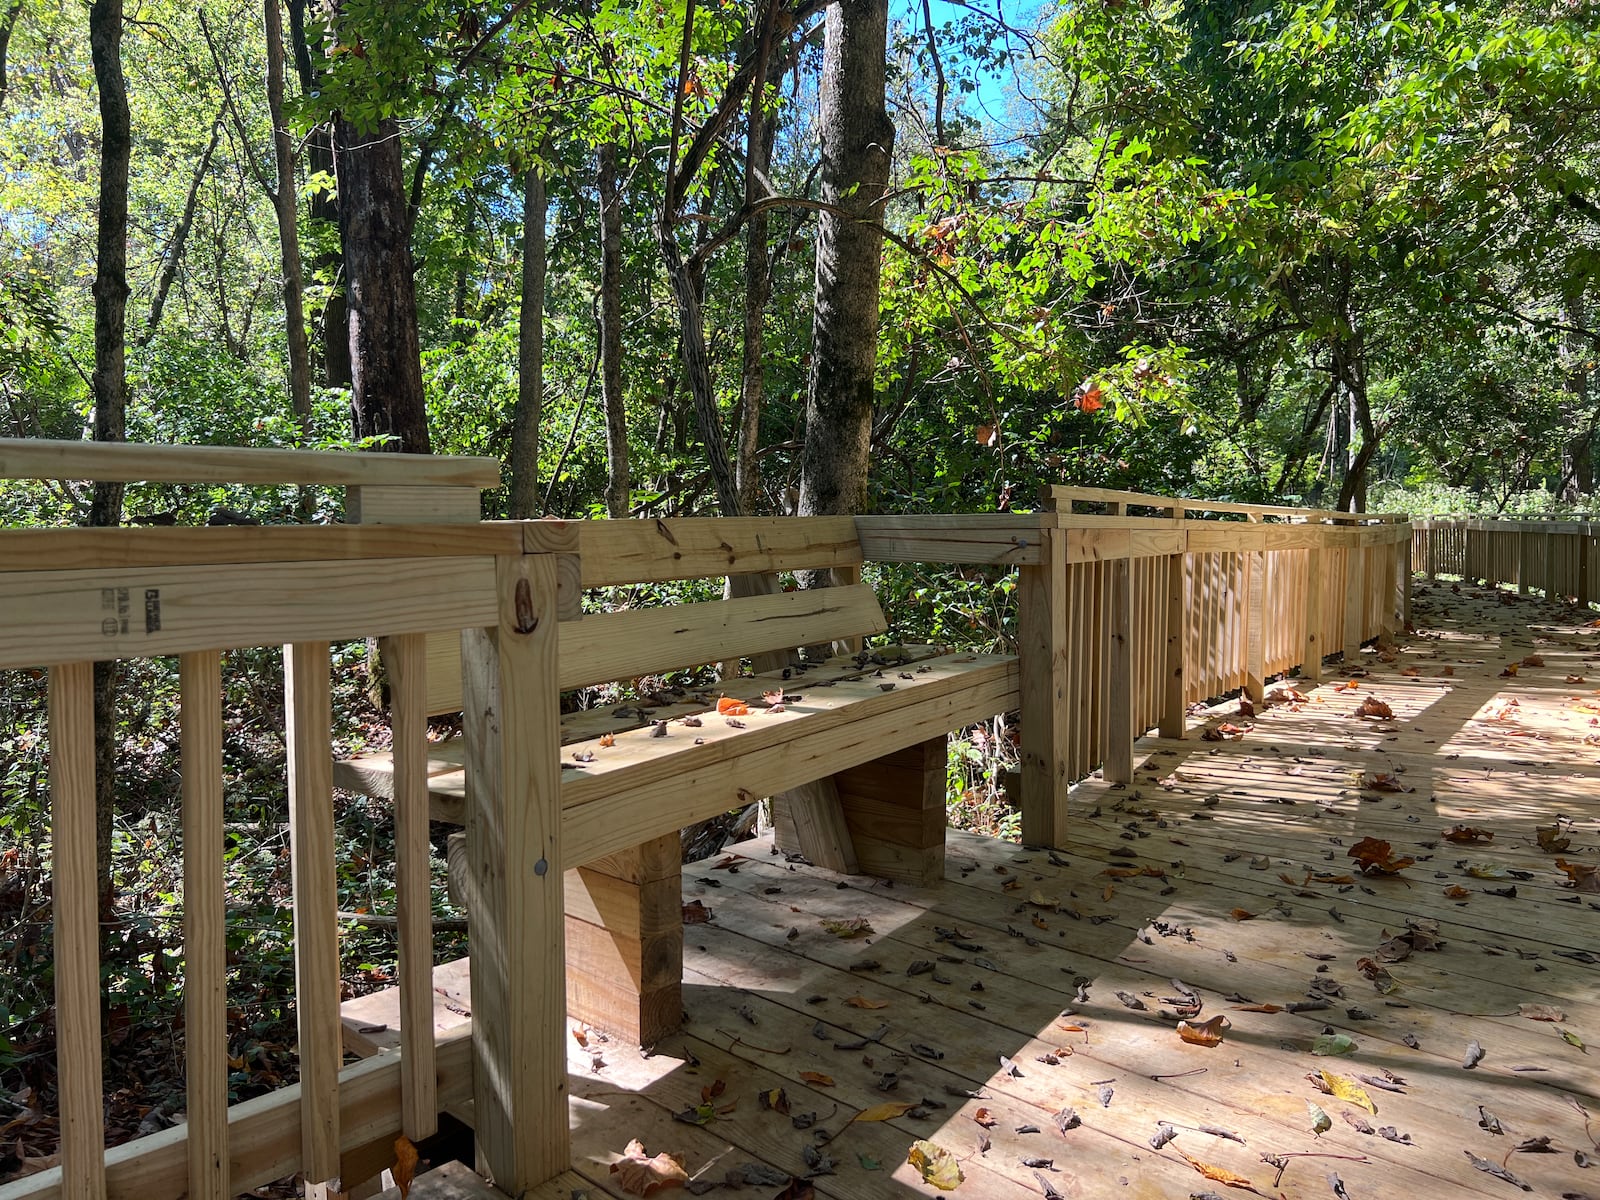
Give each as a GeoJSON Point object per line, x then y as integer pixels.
{"type": "Point", "coordinates": [205, 992]}
{"type": "Point", "coordinates": [406, 660]}
{"type": "Point", "coordinates": [76, 901]}
{"type": "Point", "coordinates": [316, 956]}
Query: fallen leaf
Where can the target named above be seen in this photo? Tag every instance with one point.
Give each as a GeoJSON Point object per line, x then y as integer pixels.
{"type": "Point", "coordinates": [696, 913]}
{"type": "Point", "coordinates": [886, 1111]}
{"type": "Point", "coordinates": [640, 1174]}
{"type": "Point", "coordinates": [608, 739]}
{"type": "Point", "coordinates": [936, 1164]}
{"type": "Point", "coordinates": [1541, 1012]}
{"type": "Point", "coordinates": [727, 706]}
{"type": "Point", "coordinates": [1573, 1039]}
{"type": "Point", "coordinates": [405, 1165]}
{"type": "Point", "coordinates": [1333, 1043]}
{"type": "Point", "coordinates": [863, 1002]}
{"type": "Point", "coordinates": [817, 1078]}
{"type": "Point", "coordinates": [1320, 1121]}
{"type": "Point", "coordinates": [1217, 1174]}
{"type": "Point", "coordinates": [1495, 1169]}
{"type": "Point", "coordinates": [1510, 672]}
{"type": "Point", "coordinates": [854, 927]}
{"type": "Point", "coordinates": [1241, 914]}
{"type": "Point", "coordinates": [1533, 660]}
{"type": "Point", "coordinates": [1373, 707]}
{"type": "Point", "coordinates": [1260, 1008]}
{"type": "Point", "coordinates": [1206, 1033]}
{"type": "Point", "coordinates": [1376, 857]}
{"type": "Point", "coordinates": [1466, 835]}
{"type": "Point", "coordinates": [1387, 783]}
{"type": "Point", "coordinates": [1456, 892]}
{"type": "Point", "coordinates": [1583, 876]}
{"type": "Point", "coordinates": [985, 1118]}
{"type": "Point", "coordinates": [1551, 840]}
{"type": "Point", "coordinates": [1346, 1090]}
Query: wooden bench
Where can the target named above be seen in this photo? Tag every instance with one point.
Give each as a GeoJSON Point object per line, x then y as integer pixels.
{"type": "Point", "coordinates": [853, 753]}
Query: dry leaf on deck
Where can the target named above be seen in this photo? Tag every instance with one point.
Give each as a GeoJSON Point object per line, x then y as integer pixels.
{"type": "Point", "coordinates": [852, 928]}
{"type": "Point", "coordinates": [1542, 1012]}
{"type": "Point", "coordinates": [985, 1118]}
{"type": "Point", "coordinates": [1346, 1090]}
{"type": "Point", "coordinates": [887, 1111]}
{"type": "Point", "coordinates": [817, 1078]}
{"type": "Point", "coordinates": [641, 1175]}
{"type": "Point", "coordinates": [936, 1164]}
{"type": "Point", "coordinates": [608, 739]}
{"type": "Point", "coordinates": [405, 1165]}
{"type": "Point", "coordinates": [727, 706]}
{"type": "Point", "coordinates": [1585, 877]}
{"type": "Point", "coordinates": [696, 913]}
{"type": "Point", "coordinates": [1376, 857]}
{"type": "Point", "coordinates": [1456, 892]}
{"type": "Point", "coordinates": [1551, 840]}
{"type": "Point", "coordinates": [1206, 1033]}
{"type": "Point", "coordinates": [1225, 732]}
{"type": "Point", "coordinates": [1533, 660]}
{"type": "Point", "coordinates": [1260, 1008]}
{"type": "Point", "coordinates": [1373, 707]}
{"type": "Point", "coordinates": [1242, 914]}
{"type": "Point", "coordinates": [863, 1002]}
{"type": "Point", "coordinates": [1217, 1174]}
{"type": "Point", "coordinates": [1384, 782]}
{"type": "Point", "coordinates": [1466, 835]}
{"type": "Point", "coordinates": [1510, 672]}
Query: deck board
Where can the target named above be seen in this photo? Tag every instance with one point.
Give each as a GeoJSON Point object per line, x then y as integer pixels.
{"type": "Point", "coordinates": [1232, 825]}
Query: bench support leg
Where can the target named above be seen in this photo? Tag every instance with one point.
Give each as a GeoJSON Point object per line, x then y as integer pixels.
{"type": "Point", "coordinates": [625, 941]}
{"type": "Point", "coordinates": [894, 808]}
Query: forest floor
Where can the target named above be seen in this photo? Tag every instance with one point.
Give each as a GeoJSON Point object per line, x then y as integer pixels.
{"type": "Point", "coordinates": [1418, 1027]}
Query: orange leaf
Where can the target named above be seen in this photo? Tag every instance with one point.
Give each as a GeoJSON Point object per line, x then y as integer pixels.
{"type": "Point", "coordinates": [1373, 707]}
{"type": "Point", "coordinates": [608, 739]}
{"type": "Point", "coordinates": [883, 1112]}
{"type": "Point", "coordinates": [985, 1118]}
{"type": "Point", "coordinates": [1376, 857]}
{"type": "Point", "coordinates": [986, 435]}
{"type": "Point", "coordinates": [1110, 891]}
{"type": "Point", "coordinates": [727, 706]}
{"type": "Point", "coordinates": [1090, 398]}
{"type": "Point", "coordinates": [817, 1078]}
{"type": "Point", "coordinates": [1456, 892]}
{"type": "Point", "coordinates": [1242, 914]}
{"type": "Point", "coordinates": [1207, 1033]}
{"type": "Point", "coordinates": [1466, 835]}
{"type": "Point", "coordinates": [863, 1002]}
{"type": "Point", "coordinates": [1260, 1008]}
{"type": "Point", "coordinates": [405, 1164]}
{"type": "Point", "coordinates": [1217, 1174]}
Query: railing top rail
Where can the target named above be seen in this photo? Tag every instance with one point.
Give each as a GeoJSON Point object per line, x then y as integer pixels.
{"type": "Point", "coordinates": [1061, 494]}
{"type": "Point", "coordinates": [127, 462]}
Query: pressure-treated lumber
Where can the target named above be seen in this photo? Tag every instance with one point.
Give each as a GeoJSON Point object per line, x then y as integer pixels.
{"type": "Point", "coordinates": [127, 462]}
{"type": "Point", "coordinates": [308, 703]}
{"type": "Point", "coordinates": [76, 907]}
{"type": "Point", "coordinates": [616, 552]}
{"type": "Point", "coordinates": [1003, 539]}
{"type": "Point", "coordinates": [1317, 566]}
{"type": "Point", "coordinates": [514, 840]}
{"type": "Point", "coordinates": [1256, 616]}
{"type": "Point", "coordinates": [1118, 766]}
{"type": "Point", "coordinates": [60, 616]}
{"type": "Point", "coordinates": [405, 660]}
{"type": "Point", "coordinates": [1354, 602]}
{"type": "Point", "coordinates": [24, 550]}
{"type": "Point", "coordinates": [264, 1133]}
{"type": "Point", "coordinates": [894, 811]}
{"type": "Point", "coordinates": [205, 967]}
{"type": "Point", "coordinates": [410, 505]}
{"type": "Point", "coordinates": [645, 641]}
{"type": "Point", "coordinates": [1172, 676]}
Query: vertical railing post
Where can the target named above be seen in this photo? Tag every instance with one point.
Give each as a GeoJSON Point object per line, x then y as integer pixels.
{"type": "Point", "coordinates": [1042, 659]}
{"type": "Point", "coordinates": [1581, 537]}
{"type": "Point", "coordinates": [75, 897]}
{"type": "Point", "coordinates": [309, 705]}
{"type": "Point", "coordinates": [1524, 538]}
{"type": "Point", "coordinates": [1551, 581]}
{"type": "Point", "coordinates": [1316, 574]}
{"type": "Point", "coordinates": [1118, 765]}
{"type": "Point", "coordinates": [1355, 592]}
{"type": "Point", "coordinates": [518, 960]}
{"type": "Point", "coordinates": [1172, 678]}
{"type": "Point", "coordinates": [1255, 634]}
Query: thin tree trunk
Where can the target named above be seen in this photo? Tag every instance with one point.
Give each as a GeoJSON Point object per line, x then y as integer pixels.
{"type": "Point", "coordinates": [618, 481]}
{"type": "Point", "coordinates": [174, 251]}
{"type": "Point", "coordinates": [757, 278]}
{"type": "Point", "coordinates": [857, 145]}
{"type": "Point", "coordinates": [386, 398]}
{"type": "Point", "coordinates": [530, 351]}
{"type": "Point", "coordinates": [8, 22]}
{"type": "Point", "coordinates": [109, 379]}
{"type": "Point", "coordinates": [285, 204]}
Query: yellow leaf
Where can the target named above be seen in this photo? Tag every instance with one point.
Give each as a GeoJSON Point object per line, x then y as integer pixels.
{"type": "Point", "coordinates": [937, 1165]}
{"type": "Point", "coordinates": [887, 1111]}
{"type": "Point", "coordinates": [1217, 1174]}
{"type": "Point", "coordinates": [405, 1164]}
{"type": "Point", "coordinates": [817, 1078]}
{"type": "Point", "coordinates": [1347, 1091]}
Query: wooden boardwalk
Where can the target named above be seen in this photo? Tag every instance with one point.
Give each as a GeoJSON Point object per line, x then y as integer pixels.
{"type": "Point", "coordinates": [1065, 964]}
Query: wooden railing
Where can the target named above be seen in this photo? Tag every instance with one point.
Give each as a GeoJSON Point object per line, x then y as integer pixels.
{"type": "Point", "coordinates": [1559, 556]}
{"type": "Point", "coordinates": [1123, 621]}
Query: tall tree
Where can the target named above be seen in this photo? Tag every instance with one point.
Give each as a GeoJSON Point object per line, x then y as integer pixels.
{"type": "Point", "coordinates": [610, 193]}
{"type": "Point", "coordinates": [857, 148]}
{"type": "Point", "coordinates": [386, 398]}
{"type": "Point", "coordinates": [530, 348]}
{"type": "Point", "coordinates": [109, 380]}
{"type": "Point", "coordinates": [285, 206]}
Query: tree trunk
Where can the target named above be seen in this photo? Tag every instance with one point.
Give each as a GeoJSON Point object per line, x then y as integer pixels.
{"type": "Point", "coordinates": [380, 299]}
{"type": "Point", "coordinates": [1578, 454]}
{"type": "Point", "coordinates": [284, 202]}
{"type": "Point", "coordinates": [618, 483]}
{"type": "Point", "coordinates": [530, 352]}
{"type": "Point", "coordinates": [333, 329]}
{"type": "Point", "coordinates": [857, 145]}
{"type": "Point", "coordinates": [757, 277]}
{"type": "Point", "coordinates": [109, 380]}
{"type": "Point", "coordinates": [174, 253]}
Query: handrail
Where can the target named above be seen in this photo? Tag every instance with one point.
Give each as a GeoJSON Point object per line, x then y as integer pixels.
{"type": "Point", "coordinates": [1557, 555]}
{"type": "Point", "coordinates": [130, 462]}
{"type": "Point", "coordinates": [1058, 494]}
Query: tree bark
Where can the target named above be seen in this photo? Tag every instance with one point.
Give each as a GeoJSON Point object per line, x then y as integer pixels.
{"type": "Point", "coordinates": [333, 332]}
{"type": "Point", "coordinates": [857, 146]}
{"type": "Point", "coordinates": [109, 379]}
{"type": "Point", "coordinates": [618, 482]}
{"type": "Point", "coordinates": [8, 23]}
{"type": "Point", "coordinates": [385, 356]}
{"type": "Point", "coordinates": [174, 251]}
{"type": "Point", "coordinates": [285, 206]}
{"type": "Point", "coordinates": [757, 277]}
{"type": "Point", "coordinates": [530, 352]}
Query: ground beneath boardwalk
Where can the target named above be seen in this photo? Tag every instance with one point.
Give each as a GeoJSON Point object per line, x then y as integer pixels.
{"type": "Point", "coordinates": [1417, 1031]}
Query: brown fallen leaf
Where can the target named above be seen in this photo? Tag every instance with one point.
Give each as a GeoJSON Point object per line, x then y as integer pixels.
{"type": "Point", "coordinates": [1466, 835]}
{"type": "Point", "coordinates": [1533, 660]}
{"type": "Point", "coordinates": [854, 927]}
{"type": "Point", "coordinates": [1584, 877]}
{"type": "Point", "coordinates": [1541, 1012]}
{"type": "Point", "coordinates": [608, 739]}
{"type": "Point", "coordinates": [696, 913]}
{"type": "Point", "coordinates": [1456, 892]}
{"type": "Point", "coordinates": [1384, 782]}
{"type": "Point", "coordinates": [1373, 707]}
{"type": "Point", "coordinates": [887, 1111]}
{"type": "Point", "coordinates": [1242, 914]}
{"type": "Point", "coordinates": [1260, 1008]}
{"type": "Point", "coordinates": [1576, 679]}
{"type": "Point", "coordinates": [817, 1078]}
{"type": "Point", "coordinates": [985, 1118]}
{"type": "Point", "coordinates": [1551, 839]}
{"type": "Point", "coordinates": [405, 1165]}
{"type": "Point", "coordinates": [1206, 1033]}
{"type": "Point", "coordinates": [1376, 857]}
{"type": "Point", "coordinates": [863, 1002]}
{"type": "Point", "coordinates": [1217, 1174]}
{"type": "Point", "coordinates": [1510, 672]}
{"type": "Point", "coordinates": [640, 1174]}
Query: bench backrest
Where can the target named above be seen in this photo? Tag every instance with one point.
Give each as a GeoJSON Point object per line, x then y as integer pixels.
{"type": "Point", "coordinates": [624, 645]}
